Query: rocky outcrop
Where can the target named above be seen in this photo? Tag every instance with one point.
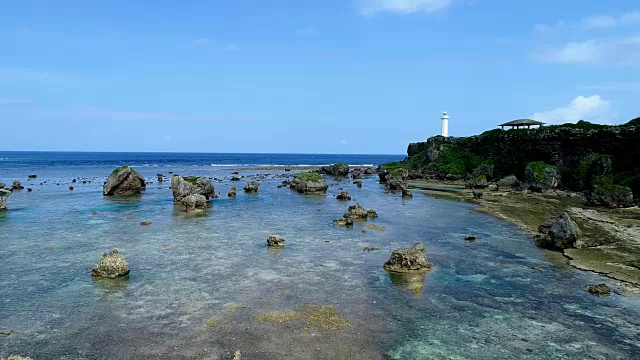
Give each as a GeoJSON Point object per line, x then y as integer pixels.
{"type": "Point", "coordinates": [358, 212]}
{"type": "Point", "coordinates": [343, 196]}
{"type": "Point", "coordinates": [2, 185]}
{"type": "Point", "coordinates": [251, 187]}
{"type": "Point", "coordinates": [613, 196]}
{"type": "Point", "coordinates": [275, 241]}
{"type": "Point", "coordinates": [232, 192]}
{"type": "Point", "coordinates": [559, 233]}
{"type": "Point", "coordinates": [343, 222]}
{"type": "Point", "coordinates": [336, 170]}
{"type": "Point", "coordinates": [4, 194]}
{"type": "Point", "coordinates": [124, 181]}
{"type": "Point", "coordinates": [406, 193]}
{"type": "Point", "coordinates": [183, 187]}
{"type": "Point", "coordinates": [479, 182]}
{"type": "Point", "coordinates": [309, 183]}
{"type": "Point", "coordinates": [539, 177]}
{"type": "Point", "coordinates": [17, 185]}
{"type": "Point", "coordinates": [112, 265]}
{"type": "Point", "coordinates": [509, 182]}
{"type": "Point", "coordinates": [194, 202]}
{"type": "Point", "coordinates": [395, 183]}
{"type": "Point", "coordinates": [599, 290]}
{"type": "Point", "coordinates": [408, 260]}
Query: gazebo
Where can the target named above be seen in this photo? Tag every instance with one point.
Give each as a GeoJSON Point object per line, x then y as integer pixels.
{"type": "Point", "coordinates": [516, 124]}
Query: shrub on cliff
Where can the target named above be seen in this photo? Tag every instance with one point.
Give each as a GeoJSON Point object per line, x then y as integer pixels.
{"type": "Point", "coordinates": [612, 196]}
{"type": "Point", "coordinates": [539, 176]}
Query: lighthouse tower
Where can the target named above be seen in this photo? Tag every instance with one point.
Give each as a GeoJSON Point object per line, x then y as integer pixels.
{"type": "Point", "coordinates": [445, 124]}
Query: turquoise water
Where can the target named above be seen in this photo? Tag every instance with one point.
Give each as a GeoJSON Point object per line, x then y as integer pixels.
{"type": "Point", "coordinates": [481, 301]}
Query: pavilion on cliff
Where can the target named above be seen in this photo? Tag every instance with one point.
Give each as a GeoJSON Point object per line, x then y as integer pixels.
{"type": "Point", "coordinates": [516, 124]}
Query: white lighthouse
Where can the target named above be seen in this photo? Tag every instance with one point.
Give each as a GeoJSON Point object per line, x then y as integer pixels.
{"type": "Point", "coordinates": [445, 124]}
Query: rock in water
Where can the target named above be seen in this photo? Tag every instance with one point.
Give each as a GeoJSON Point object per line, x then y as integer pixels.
{"type": "Point", "coordinates": [358, 183]}
{"type": "Point", "coordinates": [2, 185]}
{"type": "Point", "coordinates": [112, 265]}
{"type": "Point", "coordinates": [124, 181]}
{"type": "Point", "coordinates": [343, 196]}
{"type": "Point", "coordinates": [599, 290]}
{"type": "Point", "coordinates": [191, 185]}
{"type": "Point", "coordinates": [343, 222]}
{"type": "Point", "coordinates": [406, 193]}
{"type": "Point", "coordinates": [308, 183]}
{"type": "Point", "coordinates": [408, 260]}
{"type": "Point", "coordinates": [194, 202]}
{"type": "Point", "coordinates": [356, 212]}
{"type": "Point", "coordinates": [4, 194]}
{"type": "Point", "coordinates": [252, 186]}
{"type": "Point", "coordinates": [558, 233]}
{"type": "Point", "coordinates": [232, 192]}
{"type": "Point", "coordinates": [275, 240]}
{"type": "Point", "coordinates": [17, 186]}
{"type": "Point", "coordinates": [336, 170]}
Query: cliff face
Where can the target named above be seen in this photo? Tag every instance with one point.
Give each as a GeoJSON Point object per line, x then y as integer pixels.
{"type": "Point", "coordinates": [575, 149]}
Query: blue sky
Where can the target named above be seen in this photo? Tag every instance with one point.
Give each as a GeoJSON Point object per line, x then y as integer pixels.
{"type": "Point", "coordinates": [362, 76]}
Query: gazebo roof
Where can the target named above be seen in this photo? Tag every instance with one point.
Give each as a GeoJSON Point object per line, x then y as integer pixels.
{"type": "Point", "coordinates": [522, 122]}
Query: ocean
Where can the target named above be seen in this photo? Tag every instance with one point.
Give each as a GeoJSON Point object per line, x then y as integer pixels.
{"type": "Point", "coordinates": [205, 286]}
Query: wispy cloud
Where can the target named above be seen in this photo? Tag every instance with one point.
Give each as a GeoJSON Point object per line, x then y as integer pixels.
{"type": "Point", "coordinates": [623, 51]}
{"type": "Point", "coordinates": [608, 21]}
{"type": "Point", "coordinates": [592, 108]}
{"type": "Point", "coordinates": [344, 142]}
{"type": "Point", "coordinates": [200, 42]}
{"type": "Point", "coordinates": [370, 7]}
{"type": "Point", "coordinates": [624, 86]}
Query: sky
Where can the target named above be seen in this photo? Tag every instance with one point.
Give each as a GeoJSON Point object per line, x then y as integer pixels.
{"type": "Point", "coordinates": [290, 76]}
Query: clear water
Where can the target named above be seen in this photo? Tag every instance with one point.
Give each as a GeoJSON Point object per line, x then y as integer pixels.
{"type": "Point", "coordinates": [481, 301]}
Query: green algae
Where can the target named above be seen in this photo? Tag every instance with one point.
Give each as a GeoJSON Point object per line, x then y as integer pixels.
{"type": "Point", "coordinates": [325, 317]}
{"type": "Point", "coordinates": [375, 227]}
{"type": "Point", "coordinates": [308, 176]}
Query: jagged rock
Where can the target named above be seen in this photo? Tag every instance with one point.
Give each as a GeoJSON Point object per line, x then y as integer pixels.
{"type": "Point", "coordinates": [372, 213]}
{"type": "Point", "coordinates": [358, 184]}
{"type": "Point", "coordinates": [599, 290]}
{"type": "Point", "coordinates": [406, 193]}
{"type": "Point", "coordinates": [112, 265]}
{"type": "Point", "coordinates": [559, 233]}
{"type": "Point", "coordinates": [356, 174]}
{"type": "Point", "coordinates": [194, 202]}
{"type": "Point", "coordinates": [336, 170]}
{"type": "Point", "coordinates": [4, 194]}
{"type": "Point", "coordinates": [477, 194]}
{"type": "Point", "coordinates": [2, 185]}
{"type": "Point", "coordinates": [232, 192]}
{"type": "Point", "coordinates": [124, 181]}
{"type": "Point", "coordinates": [275, 240]}
{"type": "Point", "coordinates": [408, 260]}
{"type": "Point", "coordinates": [252, 186]}
{"type": "Point", "coordinates": [470, 238]}
{"type": "Point", "coordinates": [539, 176]}
{"type": "Point", "coordinates": [509, 182]}
{"type": "Point", "coordinates": [356, 212]}
{"type": "Point", "coordinates": [613, 196]}
{"type": "Point", "coordinates": [343, 196]}
{"type": "Point", "coordinates": [395, 183]}
{"type": "Point", "coordinates": [479, 182]}
{"type": "Point", "coordinates": [17, 186]}
{"type": "Point", "coordinates": [343, 222]}
{"type": "Point", "coordinates": [308, 183]}
{"type": "Point", "coordinates": [183, 187]}
{"type": "Point", "coordinates": [160, 177]}
{"type": "Point", "coordinates": [235, 178]}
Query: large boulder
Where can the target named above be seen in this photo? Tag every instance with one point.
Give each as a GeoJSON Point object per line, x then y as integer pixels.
{"type": "Point", "coordinates": [4, 194]}
{"type": "Point", "coordinates": [343, 196]}
{"type": "Point", "coordinates": [124, 181]}
{"type": "Point", "coordinates": [358, 212]}
{"type": "Point", "coordinates": [408, 260]}
{"type": "Point", "coordinates": [539, 176]}
{"type": "Point", "coordinates": [252, 186]}
{"type": "Point", "coordinates": [598, 290]}
{"type": "Point", "coordinates": [337, 169]}
{"type": "Point", "coordinates": [232, 192]}
{"type": "Point", "coordinates": [395, 183]}
{"type": "Point", "coordinates": [612, 196]}
{"type": "Point", "coordinates": [194, 202]}
{"type": "Point", "coordinates": [112, 265]}
{"type": "Point", "coordinates": [275, 241]}
{"type": "Point", "coordinates": [2, 185]}
{"type": "Point", "coordinates": [308, 183]}
{"type": "Point", "coordinates": [191, 185]}
{"type": "Point", "coordinates": [17, 185]}
{"type": "Point", "coordinates": [559, 233]}
{"type": "Point", "coordinates": [509, 182]}
{"type": "Point", "coordinates": [479, 182]}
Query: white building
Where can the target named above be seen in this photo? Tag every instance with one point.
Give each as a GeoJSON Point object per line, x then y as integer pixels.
{"type": "Point", "coordinates": [445, 124]}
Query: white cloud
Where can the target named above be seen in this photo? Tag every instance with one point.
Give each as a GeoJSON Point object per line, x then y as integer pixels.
{"type": "Point", "coordinates": [232, 47]}
{"type": "Point", "coordinates": [591, 108]}
{"type": "Point", "coordinates": [618, 51]}
{"type": "Point", "coordinates": [370, 7]}
{"type": "Point", "coordinates": [608, 21]}
{"type": "Point", "coordinates": [344, 142]}
{"type": "Point", "coordinates": [200, 42]}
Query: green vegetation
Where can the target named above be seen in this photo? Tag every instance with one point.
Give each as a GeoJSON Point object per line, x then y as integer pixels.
{"type": "Point", "coordinates": [538, 168]}
{"type": "Point", "coordinates": [117, 170]}
{"type": "Point", "coordinates": [455, 160]}
{"type": "Point", "coordinates": [308, 176]}
{"type": "Point", "coordinates": [478, 179]}
{"type": "Point", "coordinates": [396, 165]}
{"type": "Point", "coordinates": [191, 179]}
{"type": "Point", "coordinates": [314, 316]}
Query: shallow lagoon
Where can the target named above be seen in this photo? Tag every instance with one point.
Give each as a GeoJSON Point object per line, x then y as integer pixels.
{"type": "Point", "coordinates": [199, 283]}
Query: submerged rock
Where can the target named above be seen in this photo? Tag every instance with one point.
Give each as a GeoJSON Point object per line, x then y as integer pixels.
{"type": "Point", "coordinates": [372, 213]}
{"type": "Point", "coordinates": [17, 185]}
{"type": "Point", "coordinates": [275, 240]}
{"type": "Point", "coordinates": [252, 186]}
{"type": "Point", "coordinates": [343, 196]}
{"type": "Point", "coordinates": [559, 233]}
{"type": "Point", "coordinates": [358, 183]}
{"type": "Point", "coordinates": [191, 185]}
{"type": "Point", "coordinates": [343, 222]}
{"type": "Point", "coordinates": [112, 265]}
{"type": "Point", "coordinates": [337, 169]}
{"type": "Point", "coordinates": [406, 193]}
{"type": "Point", "coordinates": [232, 192]}
{"type": "Point", "coordinates": [599, 290]}
{"type": "Point", "coordinates": [408, 260]}
{"type": "Point", "coordinates": [4, 194]}
{"type": "Point", "coordinates": [194, 202]}
{"type": "Point", "coordinates": [307, 183]}
{"type": "Point", "coordinates": [124, 181]}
